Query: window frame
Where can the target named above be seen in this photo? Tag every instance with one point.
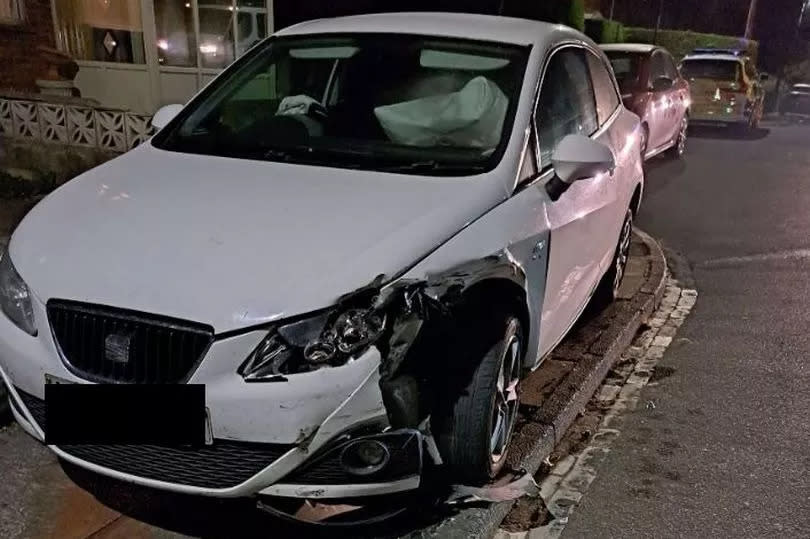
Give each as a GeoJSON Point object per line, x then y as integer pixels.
{"type": "Point", "coordinates": [656, 53]}
{"type": "Point", "coordinates": [668, 59]}
{"type": "Point", "coordinates": [17, 19]}
{"type": "Point", "coordinates": [149, 32]}
{"type": "Point", "coordinates": [543, 169]}
{"type": "Point", "coordinates": [605, 63]}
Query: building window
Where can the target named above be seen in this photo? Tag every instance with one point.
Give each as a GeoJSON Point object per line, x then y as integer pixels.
{"type": "Point", "coordinates": [101, 30]}
{"type": "Point", "coordinates": [227, 29]}
{"type": "Point", "coordinates": [176, 43]}
{"type": "Point", "coordinates": [11, 11]}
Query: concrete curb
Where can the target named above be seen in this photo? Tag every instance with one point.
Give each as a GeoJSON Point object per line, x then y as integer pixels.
{"type": "Point", "coordinates": [548, 425]}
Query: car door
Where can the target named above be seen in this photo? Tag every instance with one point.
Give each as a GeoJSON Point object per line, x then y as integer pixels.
{"type": "Point", "coordinates": [582, 221]}
{"type": "Point", "coordinates": [661, 103]}
{"type": "Point", "coordinates": [677, 98]}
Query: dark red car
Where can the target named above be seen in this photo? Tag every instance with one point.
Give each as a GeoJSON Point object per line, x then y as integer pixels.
{"type": "Point", "coordinates": [654, 89]}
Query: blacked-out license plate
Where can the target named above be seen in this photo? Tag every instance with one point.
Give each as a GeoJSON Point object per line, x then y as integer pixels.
{"type": "Point", "coordinates": [125, 414]}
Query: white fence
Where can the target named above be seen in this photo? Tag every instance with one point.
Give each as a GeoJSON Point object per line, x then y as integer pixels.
{"type": "Point", "coordinates": [72, 124]}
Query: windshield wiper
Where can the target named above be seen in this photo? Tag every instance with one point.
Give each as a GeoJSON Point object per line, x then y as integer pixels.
{"type": "Point", "coordinates": [432, 165]}
{"type": "Point", "coordinates": [314, 155]}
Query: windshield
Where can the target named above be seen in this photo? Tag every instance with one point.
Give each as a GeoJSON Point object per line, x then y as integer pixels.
{"type": "Point", "coordinates": [627, 67]}
{"type": "Point", "coordinates": [375, 102]}
{"type": "Point", "coordinates": [727, 70]}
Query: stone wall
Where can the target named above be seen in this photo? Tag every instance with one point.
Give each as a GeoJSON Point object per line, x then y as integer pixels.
{"type": "Point", "coordinates": [20, 65]}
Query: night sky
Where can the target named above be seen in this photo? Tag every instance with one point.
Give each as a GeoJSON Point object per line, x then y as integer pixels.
{"type": "Point", "coordinates": [775, 24]}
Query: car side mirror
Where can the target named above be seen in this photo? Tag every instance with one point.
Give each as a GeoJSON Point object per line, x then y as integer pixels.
{"type": "Point", "coordinates": [662, 84]}
{"type": "Point", "coordinates": [575, 158]}
{"type": "Point", "coordinates": [164, 115]}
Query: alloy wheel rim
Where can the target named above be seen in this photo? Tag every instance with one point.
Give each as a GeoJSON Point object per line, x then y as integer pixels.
{"type": "Point", "coordinates": [622, 254]}
{"type": "Point", "coordinates": [506, 402]}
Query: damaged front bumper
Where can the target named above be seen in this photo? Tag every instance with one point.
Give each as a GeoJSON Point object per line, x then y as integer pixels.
{"type": "Point", "coordinates": [295, 435]}
{"type": "Point", "coordinates": [317, 464]}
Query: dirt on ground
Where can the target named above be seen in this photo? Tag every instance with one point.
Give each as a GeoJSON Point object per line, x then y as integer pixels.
{"type": "Point", "coordinates": [12, 211]}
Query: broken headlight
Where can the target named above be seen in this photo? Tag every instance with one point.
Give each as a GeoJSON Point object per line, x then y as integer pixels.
{"type": "Point", "coordinates": [327, 339]}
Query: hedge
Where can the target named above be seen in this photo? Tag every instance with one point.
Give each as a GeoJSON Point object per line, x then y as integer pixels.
{"type": "Point", "coordinates": [605, 31]}
{"type": "Point", "coordinates": [682, 42]}
{"type": "Point", "coordinates": [574, 14]}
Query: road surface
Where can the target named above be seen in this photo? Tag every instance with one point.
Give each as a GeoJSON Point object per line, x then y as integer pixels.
{"type": "Point", "coordinates": [722, 446]}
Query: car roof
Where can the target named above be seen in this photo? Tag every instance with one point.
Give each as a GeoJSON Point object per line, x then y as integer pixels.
{"type": "Point", "coordinates": [721, 57]}
{"type": "Point", "coordinates": [458, 25]}
{"type": "Point", "coordinates": [643, 48]}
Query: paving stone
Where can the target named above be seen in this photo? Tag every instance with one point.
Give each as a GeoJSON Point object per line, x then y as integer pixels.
{"type": "Point", "coordinates": [549, 486]}
{"type": "Point", "coordinates": [656, 352]}
{"type": "Point", "coordinates": [608, 393]}
{"type": "Point", "coordinates": [667, 330]}
{"type": "Point", "coordinates": [687, 301]}
{"type": "Point", "coordinates": [564, 466]}
{"type": "Point", "coordinates": [675, 322]}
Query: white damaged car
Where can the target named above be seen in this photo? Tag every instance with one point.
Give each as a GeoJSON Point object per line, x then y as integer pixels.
{"type": "Point", "coordinates": [357, 240]}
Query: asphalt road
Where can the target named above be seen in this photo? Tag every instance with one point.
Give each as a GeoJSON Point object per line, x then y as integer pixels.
{"type": "Point", "coordinates": [722, 447]}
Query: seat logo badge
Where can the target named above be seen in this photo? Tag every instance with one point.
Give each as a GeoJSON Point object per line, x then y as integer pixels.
{"type": "Point", "coordinates": [117, 348]}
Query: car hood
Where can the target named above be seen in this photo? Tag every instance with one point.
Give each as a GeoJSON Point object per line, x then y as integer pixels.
{"type": "Point", "coordinates": [234, 243]}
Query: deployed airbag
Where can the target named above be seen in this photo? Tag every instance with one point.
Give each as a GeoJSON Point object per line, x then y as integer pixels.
{"type": "Point", "coordinates": [471, 117]}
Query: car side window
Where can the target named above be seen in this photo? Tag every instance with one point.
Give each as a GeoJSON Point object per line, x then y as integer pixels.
{"type": "Point", "coordinates": [566, 105]}
{"type": "Point", "coordinates": [657, 66]}
{"type": "Point", "coordinates": [604, 88]}
{"type": "Point", "coordinates": [671, 69]}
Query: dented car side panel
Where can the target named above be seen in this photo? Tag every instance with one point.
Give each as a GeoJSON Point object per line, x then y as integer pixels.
{"type": "Point", "coordinates": [516, 233]}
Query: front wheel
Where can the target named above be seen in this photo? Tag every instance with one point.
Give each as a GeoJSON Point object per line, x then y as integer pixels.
{"type": "Point", "coordinates": [608, 289]}
{"type": "Point", "coordinates": [476, 427]}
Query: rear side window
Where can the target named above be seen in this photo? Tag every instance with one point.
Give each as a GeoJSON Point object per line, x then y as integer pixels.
{"type": "Point", "coordinates": [658, 66]}
{"type": "Point", "coordinates": [670, 68]}
{"type": "Point", "coordinates": [711, 69]}
{"type": "Point", "coordinates": [566, 105]}
{"type": "Point", "coordinates": [605, 91]}
{"type": "Point", "coordinates": [626, 67]}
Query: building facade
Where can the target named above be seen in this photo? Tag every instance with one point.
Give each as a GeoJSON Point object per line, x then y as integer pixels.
{"type": "Point", "coordinates": [137, 55]}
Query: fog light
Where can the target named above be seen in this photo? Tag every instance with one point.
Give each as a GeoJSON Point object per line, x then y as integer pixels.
{"type": "Point", "coordinates": [364, 457]}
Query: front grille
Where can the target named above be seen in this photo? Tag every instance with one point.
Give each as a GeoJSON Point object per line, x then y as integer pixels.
{"type": "Point", "coordinates": [221, 465]}
{"type": "Point", "coordinates": [103, 344]}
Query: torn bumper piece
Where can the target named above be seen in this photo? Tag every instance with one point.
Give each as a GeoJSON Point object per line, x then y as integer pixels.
{"type": "Point", "coordinates": [360, 480]}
